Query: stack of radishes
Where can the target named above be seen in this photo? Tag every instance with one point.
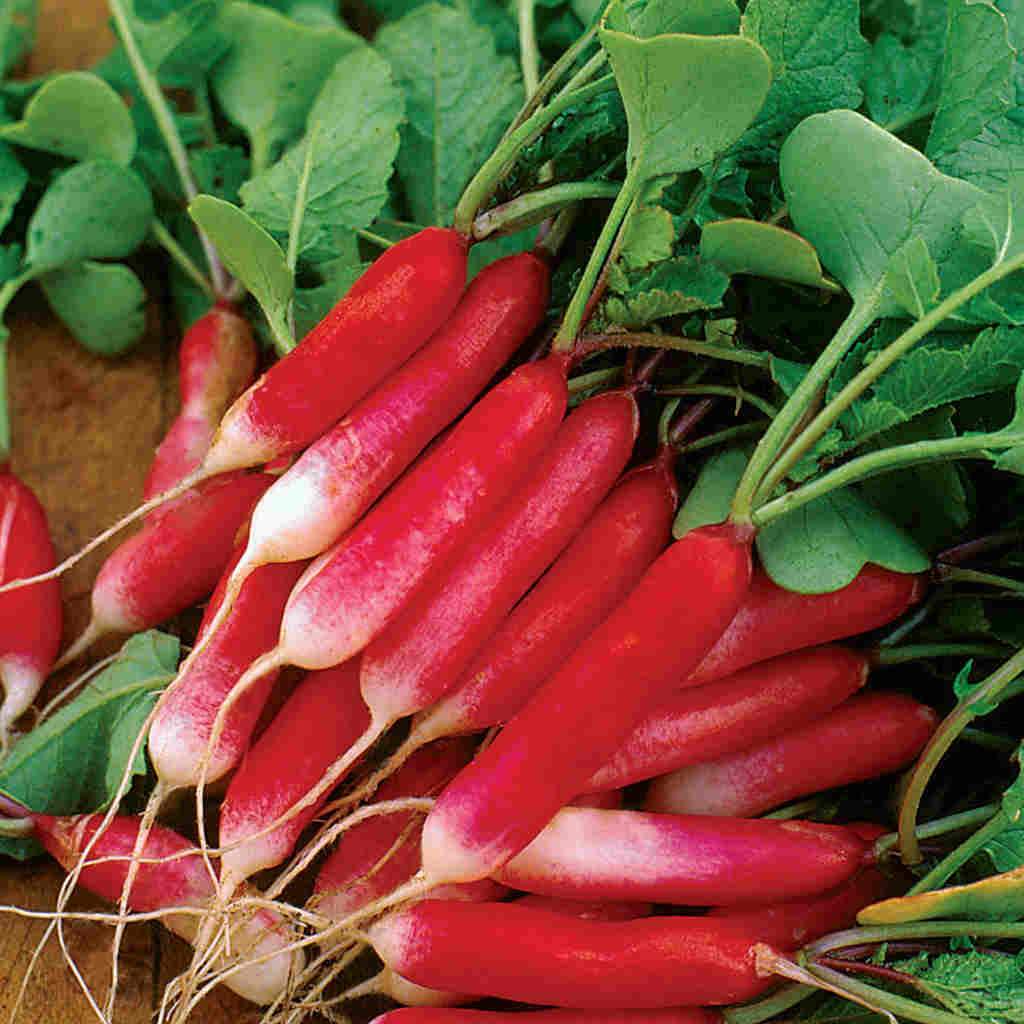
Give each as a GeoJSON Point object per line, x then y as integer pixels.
{"type": "Point", "coordinates": [496, 568]}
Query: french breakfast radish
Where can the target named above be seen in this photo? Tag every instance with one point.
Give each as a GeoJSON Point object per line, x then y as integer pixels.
{"type": "Point", "coordinates": [217, 361]}
{"type": "Point", "coordinates": [421, 655]}
{"type": "Point", "coordinates": [588, 910]}
{"type": "Point", "coordinates": [672, 1015]}
{"type": "Point", "coordinates": [865, 737]}
{"type": "Point", "coordinates": [577, 720]}
{"type": "Point", "coordinates": [691, 860]}
{"type": "Point", "coordinates": [30, 619]}
{"type": "Point", "coordinates": [757, 703]}
{"type": "Point", "coordinates": [530, 955]}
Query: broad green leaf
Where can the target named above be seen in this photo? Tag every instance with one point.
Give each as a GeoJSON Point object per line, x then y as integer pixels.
{"type": "Point", "coordinates": [484, 253]}
{"type": "Point", "coordinates": [102, 304]}
{"type": "Point", "coordinates": [311, 305]}
{"type": "Point", "coordinates": [10, 261]}
{"type": "Point", "coordinates": [687, 97]}
{"type": "Point", "coordinates": [823, 545]}
{"type": "Point", "coordinates": [977, 985]}
{"type": "Point", "coordinates": [693, 17]}
{"type": "Point", "coordinates": [912, 280]}
{"type": "Point", "coordinates": [249, 253]}
{"type": "Point", "coordinates": [649, 237]}
{"type": "Point", "coordinates": [739, 246]}
{"type": "Point", "coordinates": [683, 284]}
{"type": "Point", "coordinates": [857, 193]}
{"type": "Point", "coordinates": [710, 497]}
{"type": "Point", "coordinates": [76, 115]}
{"type": "Point", "coordinates": [73, 762]}
{"type": "Point", "coordinates": [220, 170]}
{"type": "Point", "coordinates": [13, 179]}
{"type": "Point", "coordinates": [1006, 850]}
{"type": "Point", "coordinates": [94, 210]}
{"type": "Point", "coordinates": [350, 146]}
{"type": "Point", "coordinates": [459, 97]}
{"type": "Point", "coordinates": [818, 58]}
{"type": "Point", "coordinates": [17, 31]}
{"type": "Point", "coordinates": [269, 79]}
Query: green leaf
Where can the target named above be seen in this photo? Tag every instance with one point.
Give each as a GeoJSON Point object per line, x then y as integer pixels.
{"type": "Point", "coordinates": [353, 132]}
{"type": "Point", "coordinates": [484, 253]}
{"type": "Point", "coordinates": [709, 500]}
{"type": "Point", "coordinates": [459, 96]}
{"type": "Point", "coordinates": [687, 98]}
{"type": "Point", "coordinates": [978, 985]}
{"type": "Point", "coordinates": [13, 179]}
{"type": "Point", "coordinates": [76, 115]}
{"type": "Point", "coordinates": [823, 545]}
{"type": "Point", "coordinates": [912, 279]}
{"type": "Point", "coordinates": [680, 285]}
{"type": "Point", "coordinates": [649, 237]}
{"type": "Point", "coordinates": [250, 254]}
{"type": "Point", "coordinates": [17, 31]}
{"type": "Point", "coordinates": [102, 304]}
{"type": "Point", "coordinates": [1006, 850]}
{"type": "Point", "coordinates": [94, 210]}
{"type": "Point", "coordinates": [818, 57]}
{"type": "Point", "coordinates": [220, 170]}
{"type": "Point", "coordinates": [10, 261]}
{"type": "Point", "coordinates": [269, 79]}
{"type": "Point", "coordinates": [693, 17]}
{"type": "Point", "coordinates": [858, 193]}
{"type": "Point", "coordinates": [996, 898]}
{"type": "Point", "coordinates": [739, 246]}
{"type": "Point", "coordinates": [73, 762]}
{"type": "Point", "coordinates": [311, 305]}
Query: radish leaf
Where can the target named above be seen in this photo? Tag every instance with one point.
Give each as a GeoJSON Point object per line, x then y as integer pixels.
{"type": "Point", "coordinates": [709, 498]}
{"type": "Point", "coordinates": [13, 179]}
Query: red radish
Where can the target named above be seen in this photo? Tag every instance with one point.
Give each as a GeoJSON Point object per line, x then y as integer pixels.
{"type": "Point", "coordinates": [865, 737]}
{"type": "Point", "coordinates": [772, 621]}
{"type": "Point", "coordinates": [183, 722]}
{"type": "Point", "coordinates": [173, 562]}
{"type": "Point", "coordinates": [176, 880]}
{"type": "Point", "coordinates": [673, 1015]}
{"type": "Point", "coordinates": [318, 723]}
{"type": "Point", "coordinates": [422, 654]}
{"type": "Point", "coordinates": [756, 704]}
{"type": "Point", "coordinates": [31, 618]}
{"type": "Point", "coordinates": [577, 720]}
{"type": "Point", "coordinates": [521, 953]}
{"type": "Point", "coordinates": [604, 799]}
{"type": "Point", "coordinates": [216, 363]}
{"type": "Point", "coordinates": [598, 569]}
{"type": "Point", "coordinates": [588, 910]}
{"type": "Point", "coordinates": [691, 860]}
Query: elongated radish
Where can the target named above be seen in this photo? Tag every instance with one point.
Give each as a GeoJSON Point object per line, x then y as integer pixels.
{"type": "Point", "coordinates": [604, 799]}
{"type": "Point", "coordinates": [173, 562]}
{"type": "Point", "coordinates": [588, 910]}
{"type": "Point", "coordinates": [216, 362]}
{"type": "Point", "coordinates": [406, 294]}
{"type": "Point", "coordinates": [576, 721]}
{"type": "Point", "coordinates": [598, 569]}
{"type": "Point", "coordinates": [757, 703]}
{"type": "Point", "coordinates": [530, 955]}
{"type": "Point", "coordinates": [182, 726]}
{"type": "Point", "coordinates": [772, 621]}
{"type": "Point", "coordinates": [422, 654]}
{"type": "Point", "coordinates": [672, 1015]}
{"type": "Point", "coordinates": [866, 737]}
{"type": "Point", "coordinates": [590, 854]}
{"type": "Point", "coordinates": [170, 879]}
{"type": "Point", "coordinates": [30, 619]}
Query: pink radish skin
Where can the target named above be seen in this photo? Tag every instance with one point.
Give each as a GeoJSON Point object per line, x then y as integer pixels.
{"type": "Point", "coordinates": [216, 362]}
{"type": "Point", "coordinates": [864, 738]}
{"type": "Point", "coordinates": [179, 883]}
{"type": "Point", "coordinates": [607, 800]}
{"type": "Point", "coordinates": [674, 1015]}
{"type": "Point", "coordinates": [577, 720]}
{"type": "Point", "coordinates": [419, 658]}
{"type": "Point", "coordinates": [587, 910]}
{"type": "Point", "coordinates": [514, 952]}
{"type": "Point", "coordinates": [183, 725]}
{"type": "Point", "coordinates": [758, 703]}
{"type": "Point", "coordinates": [596, 571]}
{"type": "Point", "coordinates": [772, 621]}
{"type": "Point", "coordinates": [31, 619]}
{"type": "Point", "coordinates": [588, 854]}
{"type": "Point", "coordinates": [319, 722]}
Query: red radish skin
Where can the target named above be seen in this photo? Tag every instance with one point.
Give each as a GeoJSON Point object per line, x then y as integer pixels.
{"type": "Point", "coordinates": [31, 618]}
{"type": "Point", "coordinates": [589, 854]}
{"type": "Point", "coordinates": [318, 722]}
{"type": "Point", "coordinates": [418, 659]}
{"type": "Point", "coordinates": [673, 1015]}
{"type": "Point", "coordinates": [772, 621]}
{"type": "Point", "coordinates": [754, 705]}
{"type": "Point", "coordinates": [587, 910]}
{"type": "Point", "coordinates": [605, 799]}
{"type": "Point", "coordinates": [183, 723]}
{"type": "Point", "coordinates": [867, 736]}
{"type": "Point", "coordinates": [216, 362]}
{"type": "Point", "coordinates": [577, 720]}
{"type": "Point", "coordinates": [604, 562]}
{"type": "Point", "coordinates": [535, 956]}
{"type": "Point", "coordinates": [182, 882]}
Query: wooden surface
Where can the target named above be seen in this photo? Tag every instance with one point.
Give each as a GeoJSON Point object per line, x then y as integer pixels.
{"type": "Point", "coordinates": [84, 432]}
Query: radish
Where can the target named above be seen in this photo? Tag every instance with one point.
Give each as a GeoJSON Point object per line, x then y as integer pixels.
{"type": "Point", "coordinates": [422, 654]}
{"type": "Point", "coordinates": [865, 737]}
{"type": "Point", "coordinates": [707, 722]}
{"type": "Point", "coordinates": [588, 910]}
{"type": "Point", "coordinates": [514, 952]}
{"type": "Point", "coordinates": [603, 799]}
{"type": "Point", "coordinates": [590, 854]}
{"type": "Point", "coordinates": [773, 621]}
{"type": "Point", "coordinates": [577, 720]}
{"type": "Point", "coordinates": [30, 619]}
{"type": "Point", "coordinates": [170, 879]}
{"type": "Point", "coordinates": [673, 1015]}
{"type": "Point", "coordinates": [216, 363]}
